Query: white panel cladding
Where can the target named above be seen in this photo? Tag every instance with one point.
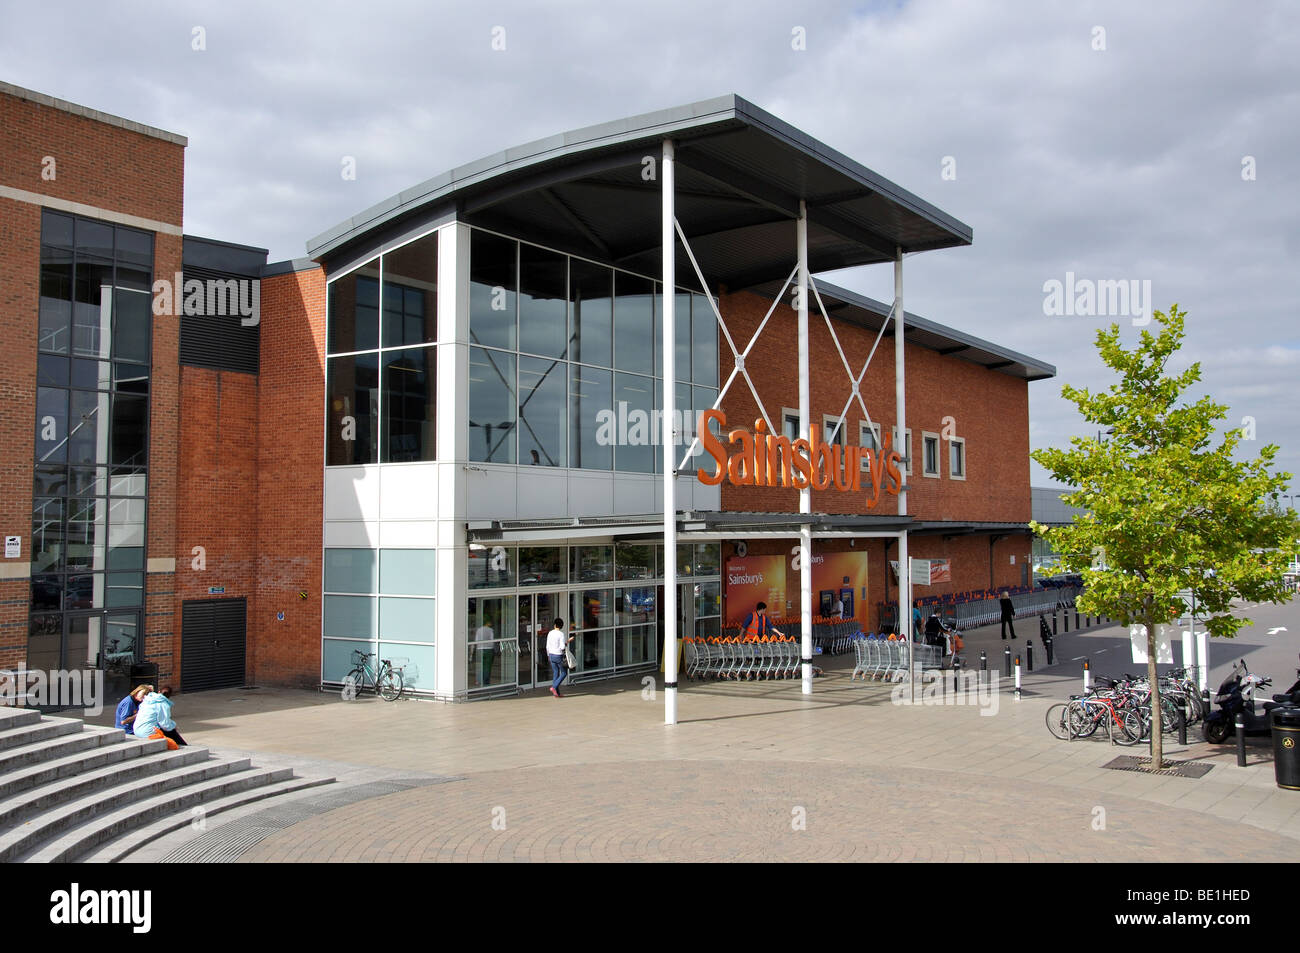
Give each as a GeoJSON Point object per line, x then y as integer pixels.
{"type": "Point", "coordinates": [352, 493]}
{"type": "Point", "coordinates": [542, 492]}
{"type": "Point", "coordinates": [408, 534]}
{"type": "Point", "coordinates": [707, 498]}
{"type": "Point", "coordinates": [490, 492]}
{"type": "Point", "coordinates": [636, 493]}
{"type": "Point", "coordinates": [590, 494]}
{"type": "Point", "coordinates": [408, 491]}
{"type": "Point", "coordinates": [351, 535]}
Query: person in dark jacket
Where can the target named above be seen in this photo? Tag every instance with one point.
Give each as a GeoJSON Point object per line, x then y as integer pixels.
{"type": "Point", "coordinates": [1008, 615]}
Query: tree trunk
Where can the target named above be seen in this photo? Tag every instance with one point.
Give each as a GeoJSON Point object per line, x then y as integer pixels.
{"type": "Point", "coordinates": [1157, 747]}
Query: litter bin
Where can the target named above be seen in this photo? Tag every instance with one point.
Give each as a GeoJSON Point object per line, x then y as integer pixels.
{"type": "Point", "coordinates": [1286, 746]}
{"type": "Point", "coordinates": [144, 673]}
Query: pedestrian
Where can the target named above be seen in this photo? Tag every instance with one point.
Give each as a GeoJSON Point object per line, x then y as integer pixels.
{"type": "Point", "coordinates": [486, 638]}
{"type": "Point", "coordinates": [154, 719]}
{"type": "Point", "coordinates": [916, 621]}
{"type": "Point", "coordinates": [757, 624]}
{"type": "Point", "coordinates": [1008, 615]}
{"type": "Point", "coordinates": [129, 706]}
{"type": "Point", "coordinates": [556, 643]}
{"type": "Point", "coordinates": [837, 610]}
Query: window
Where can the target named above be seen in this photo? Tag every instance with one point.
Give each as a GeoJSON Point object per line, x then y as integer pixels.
{"type": "Point", "coordinates": [790, 423]}
{"type": "Point", "coordinates": [492, 406]}
{"type": "Point", "coordinates": [352, 418]}
{"type": "Point", "coordinates": [591, 299]}
{"type": "Point", "coordinates": [868, 439]}
{"type": "Point", "coordinates": [591, 433]}
{"type": "Point", "coordinates": [930, 450]}
{"type": "Point", "coordinates": [704, 341]}
{"type": "Point", "coordinates": [634, 340]}
{"type": "Point", "coordinates": [905, 450]}
{"type": "Point", "coordinates": [834, 431]}
{"type": "Point", "coordinates": [407, 400]}
{"type": "Point", "coordinates": [492, 266]}
{"type": "Point", "coordinates": [543, 290]}
{"type": "Point", "coordinates": [543, 440]}
{"type": "Point", "coordinates": [957, 458]}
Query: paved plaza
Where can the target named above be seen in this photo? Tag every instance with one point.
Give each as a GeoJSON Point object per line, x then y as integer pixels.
{"type": "Point", "coordinates": [753, 771]}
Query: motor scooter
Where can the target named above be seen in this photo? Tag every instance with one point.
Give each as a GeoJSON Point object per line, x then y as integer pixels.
{"type": "Point", "coordinates": [1237, 696]}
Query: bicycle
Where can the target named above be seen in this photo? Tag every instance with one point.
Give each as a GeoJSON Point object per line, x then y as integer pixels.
{"type": "Point", "coordinates": [386, 682]}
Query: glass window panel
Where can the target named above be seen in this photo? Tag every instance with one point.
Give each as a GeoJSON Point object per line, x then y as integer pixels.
{"type": "Point", "coordinates": [541, 565]}
{"type": "Point", "coordinates": [338, 659]}
{"type": "Point", "coordinates": [591, 291]}
{"type": "Point", "coordinates": [491, 566]}
{"type": "Point", "coordinates": [957, 458]}
{"type": "Point", "coordinates": [633, 323]}
{"type": "Point", "coordinates": [634, 561]}
{"type": "Point", "coordinates": [592, 608]}
{"type": "Point", "coordinates": [635, 645]}
{"type": "Point", "coordinates": [51, 425]}
{"type": "Point", "coordinates": [353, 419]}
{"type": "Point", "coordinates": [85, 534]}
{"type": "Point", "coordinates": [131, 378]}
{"type": "Point", "coordinates": [685, 559]}
{"type": "Point", "coordinates": [543, 440]}
{"type": "Point", "coordinates": [593, 563]}
{"type": "Point", "coordinates": [353, 310]}
{"type": "Point", "coordinates": [594, 649]}
{"type": "Point", "coordinates": [708, 628]}
{"type": "Point", "coordinates": [707, 559]}
{"type": "Point", "coordinates": [136, 280]}
{"type": "Point", "coordinates": [131, 326]}
{"type": "Point", "coordinates": [83, 591]}
{"type": "Point", "coordinates": [408, 572]}
{"type": "Point", "coordinates": [702, 399]}
{"type": "Point", "coordinates": [410, 393]}
{"type": "Point", "coordinates": [94, 238]}
{"type": "Point", "coordinates": [91, 375]}
{"type": "Point", "coordinates": [492, 303]}
{"type": "Point", "coordinates": [591, 398]}
{"type": "Point", "coordinates": [543, 287]}
{"type": "Point", "coordinates": [55, 332]}
{"type": "Point", "coordinates": [121, 535]}
{"type": "Point", "coordinates": [491, 618]}
{"type": "Point", "coordinates": [125, 589]}
{"type": "Point", "coordinates": [56, 229]}
{"type": "Point", "coordinates": [50, 481]}
{"type": "Point", "coordinates": [47, 593]}
{"type": "Point", "coordinates": [351, 570]}
{"type": "Point", "coordinates": [635, 605]}
{"type": "Point", "coordinates": [125, 483]}
{"type": "Point", "coordinates": [354, 617]}
{"type": "Point", "coordinates": [413, 269]}
{"type": "Point", "coordinates": [125, 557]}
{"type": "Point", "coordinates": [407, 620]}
{"type": "Point", "coordinates": [51, 371]}
{"type": "Point", "coordinates": [47, 535]}
{"type": "Point", "coordinates": [135, 247]}
{"type": "Point", "coordinates": [704, 342]}
{"type": "Point", "coordinates": [92, 309]}
{"type": "Point", "coordinates": [706, 599]}
{"type": "Point", "coordinates": [416, 663]}
{"type": "Point", "coordinates": [491, 406]}
{"type": "Point", "coordinates": [130, 431]}
{"type": "Point", "coordinates": [634, 402]}
{"type": "Point", "coordinates": [682, 337]}
{"type": "Point", "coordinates": [121, 635]}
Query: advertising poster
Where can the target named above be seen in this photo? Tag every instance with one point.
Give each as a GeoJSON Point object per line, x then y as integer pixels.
{"type": "Point", "coordinates": [940, 571]}
{"type": "Point", "coordinates": [751, 580]}
{"type": "Point", "coordinates": [835, 571]}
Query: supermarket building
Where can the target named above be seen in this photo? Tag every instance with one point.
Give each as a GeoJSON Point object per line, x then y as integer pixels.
{"type": "Point", "coordinates": [436, 432]}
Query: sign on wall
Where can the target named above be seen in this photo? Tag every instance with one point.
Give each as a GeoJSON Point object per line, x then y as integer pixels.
{"type": "Point", "coordinates": [751, 580]}
{"type": "Point", "coordinates": [13, 547]}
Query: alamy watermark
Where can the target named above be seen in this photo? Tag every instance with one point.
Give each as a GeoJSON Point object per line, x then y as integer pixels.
{"type": "Point", "coordinates": [58, 688]}
{"type": "Point", "coordinates": [210, 297]}
{"type": "Point", "coordinates": [936, 689]}
{"type": "Point", "coordinates": [1107, 297]}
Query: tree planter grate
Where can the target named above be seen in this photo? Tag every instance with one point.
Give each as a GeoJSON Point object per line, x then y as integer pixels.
{"type": "Point", "coordinates": [1173, 769]}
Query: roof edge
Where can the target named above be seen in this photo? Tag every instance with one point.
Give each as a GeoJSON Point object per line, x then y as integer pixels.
{"type": "Point", "coordinates": [42, 99]}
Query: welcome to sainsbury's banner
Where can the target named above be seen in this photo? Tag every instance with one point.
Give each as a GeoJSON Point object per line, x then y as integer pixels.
{"type": "Point", "coordinates": [772, 579]}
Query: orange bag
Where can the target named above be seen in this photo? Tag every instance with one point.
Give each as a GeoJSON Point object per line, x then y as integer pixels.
{"type": "Point", "coordinates": [958, 643]}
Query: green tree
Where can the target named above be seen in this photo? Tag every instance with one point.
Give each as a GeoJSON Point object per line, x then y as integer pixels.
{"type": "Point", "coordinates": [1167, 512]}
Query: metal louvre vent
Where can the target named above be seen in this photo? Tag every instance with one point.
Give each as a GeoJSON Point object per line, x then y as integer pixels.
{"type": "Point", "coordinates": [221, 341]}
{"type": "Point", "coordinates": [212, 644]}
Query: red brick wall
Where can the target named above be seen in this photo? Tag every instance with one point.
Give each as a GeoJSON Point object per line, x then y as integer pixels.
{"type": "Point", "coordinates": [989, 410]}
{"type": "Point", "coordinates": [94, 163]}
{"type": "Point", "coordinates": [290, 487]}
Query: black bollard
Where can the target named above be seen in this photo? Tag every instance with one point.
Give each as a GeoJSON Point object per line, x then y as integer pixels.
{"type": "Point", "coordinates": [1182, 722]}
{"type": "Point", "coordinates": [1067, 619]}
{"type": "Point", "coordinates": [1029, 654]}
{"type": "Point", "coordinates": [1006, 656]}
{"type": "Point", "coordinates": [1076, 618]}
{"type": "Point", "coordinates": [982, 677]}
{"type": "Point", "coordinates": [1053, 622]}
{"type": "Point", "coordinates": [1049, 645]}
{"type": "Point", "coordinates": [1241, 743]}
{"type": "Point", "coordinates": [1088, 621]}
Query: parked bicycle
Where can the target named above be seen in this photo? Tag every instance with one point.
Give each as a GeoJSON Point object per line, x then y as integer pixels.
{"type": "Point", "coordinates": [386, 681]}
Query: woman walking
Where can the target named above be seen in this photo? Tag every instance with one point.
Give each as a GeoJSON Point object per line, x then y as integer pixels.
{"type": "Point", "coordinates": [556, 643]}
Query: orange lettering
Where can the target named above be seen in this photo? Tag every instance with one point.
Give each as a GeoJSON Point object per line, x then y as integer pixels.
{"type": "Point", "coordinates": [713, 447]}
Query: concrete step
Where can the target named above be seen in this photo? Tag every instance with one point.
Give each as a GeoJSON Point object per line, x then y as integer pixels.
{"type": "Point", "coordinates": [48, 770]}
{"type": "Point", "coordinates": [38, 729]}
{"type": "Point", "coordinates": [24, 756]}
{"type": "Point", "coordinates": [97, 830]}
{"type": "Point", "coordinates": [99, 799]}
{"type": "Point", "coordinates": [17, 717]}
{"type": "Point", "coordinates": [120, 849]}
{"type": "Point", "coordinates": [104, 780]}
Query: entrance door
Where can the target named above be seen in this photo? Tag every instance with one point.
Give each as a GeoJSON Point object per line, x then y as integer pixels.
{"type": "Point", "coordinates": [212, 643]}
{"type": "Point", "coordinates": [537, 614]}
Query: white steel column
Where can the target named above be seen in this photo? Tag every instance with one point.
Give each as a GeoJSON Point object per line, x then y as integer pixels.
{"type": "Point", "coordinates": [900, 404]}
{"type": "Point", "coordinates": [805, 495]}
{"type": "Point", "coordinates": [668, 434]}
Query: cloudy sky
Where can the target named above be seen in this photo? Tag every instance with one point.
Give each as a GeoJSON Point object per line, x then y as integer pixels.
{"type": "Point", "coordinates": [1154, 142]}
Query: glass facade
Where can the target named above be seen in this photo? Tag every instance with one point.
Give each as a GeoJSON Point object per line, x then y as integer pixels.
{"type": "Point", "coordinates": [90, 468]}
{"type": "Point", "coordinates": [564, 362]}
{"type": "Point", "coordinates": [381, 364]}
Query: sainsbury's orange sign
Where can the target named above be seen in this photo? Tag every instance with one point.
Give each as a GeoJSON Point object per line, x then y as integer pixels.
{"type": "Point", "coordinates": [762, 458]}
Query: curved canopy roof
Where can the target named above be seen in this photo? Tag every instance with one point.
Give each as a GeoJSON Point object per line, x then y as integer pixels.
{"type": "Point", "coordinates": [741, 173]}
